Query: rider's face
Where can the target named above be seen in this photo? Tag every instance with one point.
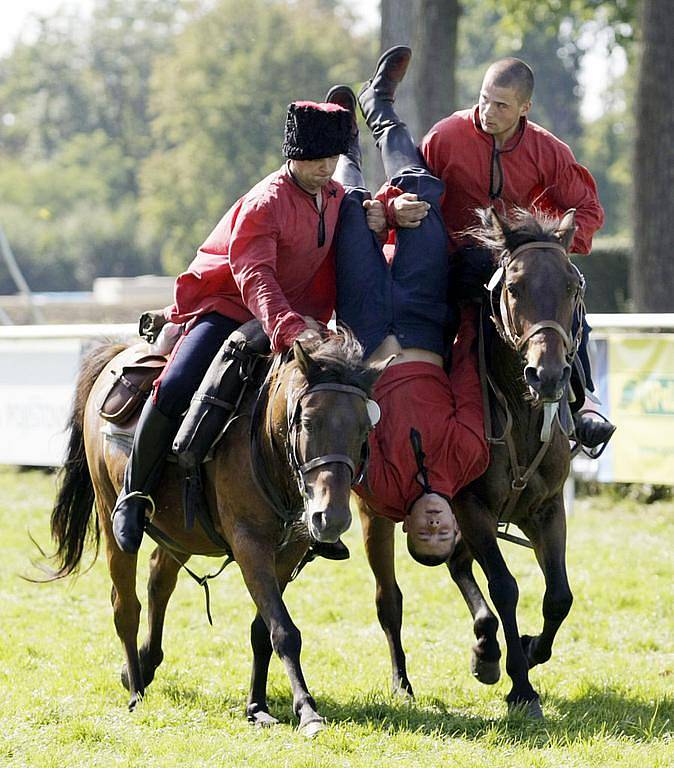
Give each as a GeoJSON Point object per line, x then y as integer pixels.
{"type": "Point", "coordinates": [431, 526]}
{"type": "Point", "coordinates": [312, 175]}
{"type": "Point", "coordinates": [500, 110]}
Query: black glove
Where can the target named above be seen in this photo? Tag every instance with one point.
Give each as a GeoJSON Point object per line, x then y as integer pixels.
{"type": "Point", "coordinates": [150, 324]}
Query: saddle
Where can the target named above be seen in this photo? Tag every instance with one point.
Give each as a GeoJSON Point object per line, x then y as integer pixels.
{"type": "Point", "coordinates": [130, 382]}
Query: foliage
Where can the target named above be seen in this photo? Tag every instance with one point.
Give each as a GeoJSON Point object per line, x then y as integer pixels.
{"type": "Point", "coordinates": [606, 691]}
{"type": "Point", "coordinates": [220, 102]}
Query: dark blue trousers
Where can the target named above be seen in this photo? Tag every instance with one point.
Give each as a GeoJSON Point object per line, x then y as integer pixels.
{"type": "Point", "coordinates": [189, 362]}
{"type": "Point", "coordinates": [409, 298]}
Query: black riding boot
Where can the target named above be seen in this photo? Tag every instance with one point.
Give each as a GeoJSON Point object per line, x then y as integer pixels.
{"type": "Point", "coordinates": [592, 429]}
{"type": "Point", "coordinates": [213, 403]}
{"type": "Point", "coordinates": [151, 443]}
{"type": "Point", "coordinates": [348, 172]}
{"type": "Point", "coordinates": [376, 97]}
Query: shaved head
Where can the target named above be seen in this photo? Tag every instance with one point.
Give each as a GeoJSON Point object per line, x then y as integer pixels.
{"type": "Point", "coordinates": [512, 73]}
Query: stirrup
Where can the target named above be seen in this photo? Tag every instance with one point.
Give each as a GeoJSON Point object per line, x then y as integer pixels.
{"type": "Point", "coordinates": [135, 495]}
{"type": "Point", "coordinates": [596, 452]}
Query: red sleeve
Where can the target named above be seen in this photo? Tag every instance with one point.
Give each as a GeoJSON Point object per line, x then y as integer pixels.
{"type": "Point", "coordinates": [433, 149]}
{"type": "Point", "coordinates": [570, 185]}
{"type": "Point", "coordinates": [387, 194]}
{"type": "Point", "coordinates": [252, 255]}
{"type": "Point", "coordinates": [467, 450]}
{"type": "Point", "coordinates": [577, 189]}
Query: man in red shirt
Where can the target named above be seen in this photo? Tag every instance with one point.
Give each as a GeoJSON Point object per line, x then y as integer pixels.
{"type": "Point", "coordinates": [270, 258]}
{"type": "Point", "coordinates": [430, 439]}
{"type": "Point", "coordinates": [492, 155]}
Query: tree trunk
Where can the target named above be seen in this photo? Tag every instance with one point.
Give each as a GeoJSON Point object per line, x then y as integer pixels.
{"type": "Point", "coordinates": [436, 43]}
{"type": "Point", "coordinates": [653, 263]}
{"type": "Point", "coordinates": [399, 27]}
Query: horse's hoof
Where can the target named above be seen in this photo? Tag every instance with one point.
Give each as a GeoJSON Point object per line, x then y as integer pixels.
{"type": "Point", "coordinates": [487, 672]}
{"type": "Point", "coordinates": [134, 700]}
{"type": "Point", "coordinates": [404, 691]}
{"type": "Point", "coordinates": [312, 728]}
{"type": "Point", "coordinates": [262, 720]}
{"type": "Point", "coordinates": [529, 709]}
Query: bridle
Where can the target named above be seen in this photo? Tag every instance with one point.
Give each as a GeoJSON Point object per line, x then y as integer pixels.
{"type": "Point", "coordinates": [301, 465]}
{"type": "Point", "coordinates": [502, 317]}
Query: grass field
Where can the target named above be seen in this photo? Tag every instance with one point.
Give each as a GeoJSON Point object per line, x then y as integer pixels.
{"type": "Point", "coordinates": [607, 691]}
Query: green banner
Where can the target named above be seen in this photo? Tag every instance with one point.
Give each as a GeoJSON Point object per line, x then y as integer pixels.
{"type": "Point", "coordinates": [641, 403]}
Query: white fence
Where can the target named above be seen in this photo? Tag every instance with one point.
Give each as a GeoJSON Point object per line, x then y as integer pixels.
{"type": "Point", "coordinates": [39, 364]}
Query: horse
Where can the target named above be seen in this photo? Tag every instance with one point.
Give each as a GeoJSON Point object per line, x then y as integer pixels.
{"type": "Point", "coordinates": [528, 364]}
{"type": "Point", "coordinates": [281, 477]}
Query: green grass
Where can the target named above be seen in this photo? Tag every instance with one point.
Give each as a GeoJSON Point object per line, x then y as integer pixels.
{"type": "Point", "coordinates": [607, 691]}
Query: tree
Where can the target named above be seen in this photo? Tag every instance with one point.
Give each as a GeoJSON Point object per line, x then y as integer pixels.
{"type": "Point", "coordinates": [653, 266]}
{"type": "Point", "coordinates": [220, 102]}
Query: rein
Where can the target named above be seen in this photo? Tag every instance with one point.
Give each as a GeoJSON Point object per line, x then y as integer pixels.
{"type": "Point", "coordinates": [289, 511]}
{"type": "Point", "coordinates": [502, 319]}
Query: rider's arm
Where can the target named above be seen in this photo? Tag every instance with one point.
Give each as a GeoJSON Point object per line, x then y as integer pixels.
{"type": "Point", "coordinates": [577, 189]}
{"type": "Point", "coordinates": [252, 254]}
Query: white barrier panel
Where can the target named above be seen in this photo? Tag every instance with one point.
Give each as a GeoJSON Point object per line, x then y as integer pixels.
{"type": "Point", "coordinates": [39, 365]}
{"type": "Point", "coordinates": [38, 370]}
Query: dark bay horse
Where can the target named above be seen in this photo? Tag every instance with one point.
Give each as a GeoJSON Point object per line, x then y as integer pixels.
{"type": "Point", "coordinates": [313, 423]}
{"type": "Point", "coordinates": [534, 296]}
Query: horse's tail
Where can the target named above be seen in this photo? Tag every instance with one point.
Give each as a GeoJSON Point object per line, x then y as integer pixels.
{"type": "Point", "coordinates": [71, 519]}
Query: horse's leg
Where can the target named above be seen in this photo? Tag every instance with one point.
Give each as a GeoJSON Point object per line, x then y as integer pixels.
{"type": "Point", "coordinates": [478, 528]}
{"type": "Point", "coordinates": [378, 535]}
{"type": "Point", "coordinates": [257, 710]}
{"type": "Point", "coordinates": [547, 532]}
{"type": "Point", "coordinates": [126, 612]}
{"type": "Point", "coordinates": [162, 581]}
{"type": "Point", "coordinates": [484, 662]}
{"type": "Point", "coordinates": [125, 603]}
{"type": "Point", "coordinates": [255, 557]}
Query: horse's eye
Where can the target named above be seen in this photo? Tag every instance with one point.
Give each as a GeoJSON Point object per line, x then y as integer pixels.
{"type": "Point", "coordinates": [572, 288]}
{"type": "Point", "coordinates": [307, 425]}
{"type": "Point", "coordinates": [513, 290]}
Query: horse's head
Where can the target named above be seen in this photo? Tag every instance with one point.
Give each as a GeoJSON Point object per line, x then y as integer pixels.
{"type": "Point", "coordinates": [536, 292]}
{"type": "Point", "coordinates": [329, 417]}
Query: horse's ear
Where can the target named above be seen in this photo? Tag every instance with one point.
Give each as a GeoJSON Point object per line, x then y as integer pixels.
{"type": "Point", "coordinates": [567, 228]}
{"type": "Point", "coordinates": [498, 225]}
{"type": "Point", "coordinates": [374, 371]}
{"type": "Point", "coordinates": [303, 359]}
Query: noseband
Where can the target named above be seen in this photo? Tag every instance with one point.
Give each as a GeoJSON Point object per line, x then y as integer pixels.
{"type": "Point", "coordinates": [300, 467]}
{"type": "Point", "coordinates": [502, 317]}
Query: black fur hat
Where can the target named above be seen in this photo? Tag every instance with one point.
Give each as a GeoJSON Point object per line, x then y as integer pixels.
{"type": "Point", "coordinates": [316, 130]}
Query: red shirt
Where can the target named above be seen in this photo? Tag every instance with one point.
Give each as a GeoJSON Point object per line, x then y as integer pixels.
{"type": "Point", "coordinates": [264, 259]}
{"type": "Point", "coordinates": [447, 412]}
{"type": "Point", "coordinates": [538, 170]}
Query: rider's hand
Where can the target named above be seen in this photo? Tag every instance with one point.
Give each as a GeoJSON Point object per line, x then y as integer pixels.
{"type": "Point", "coordinates": [150, 324]}
{"type": "Point", "coordinates": [409, 210]}
{"type": "Point", "coordinates": [312, 333]}
{"type": "Point", "coordinates": [308, 336]}
{"type": "Point", "coordinates": [375, 213]}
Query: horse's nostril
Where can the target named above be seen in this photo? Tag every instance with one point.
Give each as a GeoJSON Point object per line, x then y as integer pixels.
{"type": "Point", "coordinates": [531, 377]}
{"type": "Point", "coordinates": [566, 375]}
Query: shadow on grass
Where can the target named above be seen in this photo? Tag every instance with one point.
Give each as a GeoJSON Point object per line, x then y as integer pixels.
{"type": "Point", "coordinates": [599, 712]}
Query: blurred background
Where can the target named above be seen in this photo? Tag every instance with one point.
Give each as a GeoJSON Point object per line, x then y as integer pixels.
{"type": "Point", "coordinates": [127, 127]}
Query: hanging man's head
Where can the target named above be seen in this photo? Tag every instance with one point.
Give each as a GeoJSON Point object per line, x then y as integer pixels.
{"type": "Point", "coordinates": [505, 97]}
{"type": "Point", "coordinates": [431, 529]}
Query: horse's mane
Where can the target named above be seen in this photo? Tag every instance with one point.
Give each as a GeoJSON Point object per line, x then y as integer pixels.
{"type": "Point", "coordinates": [519, 227]}
{"type": "Point", "coordinates": [338, 358]}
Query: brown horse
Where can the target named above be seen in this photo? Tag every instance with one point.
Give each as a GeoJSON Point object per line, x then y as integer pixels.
{"type": "Point", "coordinates": [534, 297]}
{"type": "Point", "coordinates": [310, 425]}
